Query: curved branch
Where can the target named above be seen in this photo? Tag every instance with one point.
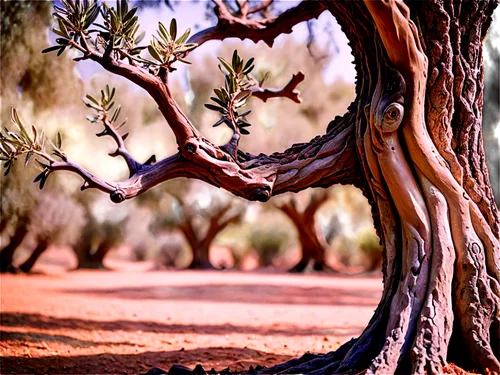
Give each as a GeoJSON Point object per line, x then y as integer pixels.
{"type": "Point", "coordinates": [109, 129]}
{"type": "Point", "coordinates": [230, 26]}
{"type": "Point", "coordinates": [286, 92]}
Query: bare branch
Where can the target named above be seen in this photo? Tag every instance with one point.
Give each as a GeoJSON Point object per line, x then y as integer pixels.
{"type": "Point", "coordinates": [286, 92]}
{"type": "Point", "coordinates": [109, 129]}
{"type": "Point", "coordinates": [230, 26]}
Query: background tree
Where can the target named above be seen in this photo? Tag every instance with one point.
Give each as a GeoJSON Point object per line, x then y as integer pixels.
{"type": "Point", "coordinates": [312, 240]}
{"type": "Point", "coordinates": [18, 202]}
{"type": "Point", "coordinates": [199, 224]}
{"type": "Point", "coordinates": [57, 220]}
{"type": "Point", "coordinates": [411, 141]}
{"type": "Point", "coordinates": [100, 234]}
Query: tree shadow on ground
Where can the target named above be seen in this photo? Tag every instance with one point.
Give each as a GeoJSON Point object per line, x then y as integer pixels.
{"type": "Point", "coordinates": [43, 337]}
{"type": "Point", "coordinates": [246, 293]}
{"type": "Point", "coordinates": [52, 323]}
{"type": "Point", "coordinates": [240, 359]}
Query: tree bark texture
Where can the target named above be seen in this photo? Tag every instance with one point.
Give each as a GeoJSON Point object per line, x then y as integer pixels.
{"type": "Point", "coordinates": [7, 253]}
{"type": "Point", "coordinates": [419, 143]}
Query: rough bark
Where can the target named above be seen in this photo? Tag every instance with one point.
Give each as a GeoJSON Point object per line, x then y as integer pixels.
{"type": "Point", "coordinates": [33, 258]}
{"type": "Point", "coordinates": [7, 253]}
{"type": "Point", "coordinates": [412, 141]}
{"type": "Point", "coordinates": [419, 145]}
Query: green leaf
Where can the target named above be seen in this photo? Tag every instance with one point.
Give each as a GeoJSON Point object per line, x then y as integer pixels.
{"type": "Point", "coordinates": [62, 41]}
{"type": "Point", "coordinates": [63, 28]}
{"type": "Point", "coordinates": [129, 15]}
{"type": "Point", "coordinates": [184, 61]}
{"type": "Point", "coordinates": [50, 49]}
{"type": "Point", "coordinates": [124, 7]}
{"type": "Point", "coordinates": [215, 108]}
{"type": "Point", "coordinates": [228, 67]}
{"type": "Point", "coordinates": [184, 37]}
{"type": "Point", "coordinates": [59, 140]}
{"type": "Point", "coordinates": [92, 99]}
{"type": "Point", "coordinates": [247, 71]}
{"type": "Point", "coordinates": [234, 61]}
{"type": "Point", "coordinates": [218, 101]}
{"type": "Point", "coordinates": [61, 50]}
{"type": "Point", "coordinates": [221, 121]}
{"type": "Point", "coordinates": [164, 32]}
{"type": "Point", "coordinates": [140, 37]}
{"type": "Point", "coordinates": [28, 156]}
{"type": "Point", "coordinates": [245, 113]}
{"type": "Point", "coordinates": [248, 64]}
{"type": "Point", "coordinates": [152, 50]}
{"type": "Point", "coordinates": [116, 114]}
{"type": "Point", "coordinates": [173, 28]}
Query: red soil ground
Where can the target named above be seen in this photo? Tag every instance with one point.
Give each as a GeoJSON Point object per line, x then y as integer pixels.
{"type": "Point", "coordinates": [126, 322]}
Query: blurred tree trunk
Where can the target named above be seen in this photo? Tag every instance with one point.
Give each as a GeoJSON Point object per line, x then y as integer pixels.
{"type": "Point", "coordinates": [7, 253]}
{"type": "Point", "coordinates": [89, 259]}
{"type": "Point", "coordinates": [312, 239]}
{"type": "Point", "coordinates": [200, 244]}
{"type": "Point", "coordinates": [33, 258]}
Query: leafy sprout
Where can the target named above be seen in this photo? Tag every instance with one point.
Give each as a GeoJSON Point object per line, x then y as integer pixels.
{"type": "Point", "coordinates": [166, 49]}
{"type": "Point", "coordinates": [118, 36]}
{"type": "Point", "coordinates": [235, 93]}
{"type": "Point", "coordinates": [103, 107]}
{"type": "Point", "coordinates": [15, 144]}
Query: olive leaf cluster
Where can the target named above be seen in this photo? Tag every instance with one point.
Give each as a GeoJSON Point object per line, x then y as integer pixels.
{"type": "Point", "coordinates": [118, 37]}
{"type": "Point", "coordinates": [15, 144]}
{"type": "Point", "coordinates": [234, 95]}
{"type": "Point", "coordinates": [103, 107]}
{"type": "Point", "coordinates": [166, 49]}
{"type": "Point", "coordinates": [74, 18]}
{"type": "Point", "coordinates": [120, 29]}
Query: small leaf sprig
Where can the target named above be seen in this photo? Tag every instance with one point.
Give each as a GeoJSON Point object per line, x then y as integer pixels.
{"type": "Point", "coordinates": [166, 49]}
{"type": "Point", "coordinates": [235, 93]}
{"type": "Point", "coordinates": [74, 18]}
{"type": "Point", "coordinates": [103, 107]}
{"type": "Point", "coordinates": [14, 144]}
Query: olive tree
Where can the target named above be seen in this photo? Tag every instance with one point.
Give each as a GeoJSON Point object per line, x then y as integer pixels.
{"type": "Point", "coordinates": [411, 140]}
{"type": "Point", "coordinates": [57, 220]}
{"type": "Point", "coordinates": [312, 239]}
{"type": "Point", "coordinates": [199, 216]}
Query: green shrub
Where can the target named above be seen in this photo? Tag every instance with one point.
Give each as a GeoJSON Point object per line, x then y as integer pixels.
{"type": "Point", "coordinates": [269, 242]}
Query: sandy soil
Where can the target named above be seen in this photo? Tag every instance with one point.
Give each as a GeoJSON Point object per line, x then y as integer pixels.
{"type": "Point", "coordinates": [126, 322]}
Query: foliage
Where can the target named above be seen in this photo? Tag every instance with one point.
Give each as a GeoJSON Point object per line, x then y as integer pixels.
{"type": "Point", "coordinates": [234, 94]}
{"type": "Point", "coordinates": [57, 219]}
{"type": "Point", "coordinates": [27, 76]}
{"type": "Point", "coordinates": [268, 241]}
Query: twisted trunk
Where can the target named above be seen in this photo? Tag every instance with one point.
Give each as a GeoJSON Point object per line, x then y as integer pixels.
{"type": "Point", "coordinates": [7, 253]}
{"type": "Point", "coordinates": [418, 128]}
{"type": "Point", "coordinates": [33, 258]}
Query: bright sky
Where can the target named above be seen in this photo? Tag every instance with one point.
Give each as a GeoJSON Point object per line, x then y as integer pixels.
{"type": "Point", "coordinates": [192, 14]}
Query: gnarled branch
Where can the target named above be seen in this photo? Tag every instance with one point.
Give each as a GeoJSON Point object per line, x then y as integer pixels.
{"type": "Point", "coordinates": [231, 26]}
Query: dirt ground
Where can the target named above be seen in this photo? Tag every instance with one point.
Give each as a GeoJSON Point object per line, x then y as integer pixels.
{"type": "Point", "coordinates": [127, 321]}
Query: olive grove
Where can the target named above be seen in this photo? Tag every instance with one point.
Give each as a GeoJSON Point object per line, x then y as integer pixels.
{"type": "Point", "coordinates": [411, 141]}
